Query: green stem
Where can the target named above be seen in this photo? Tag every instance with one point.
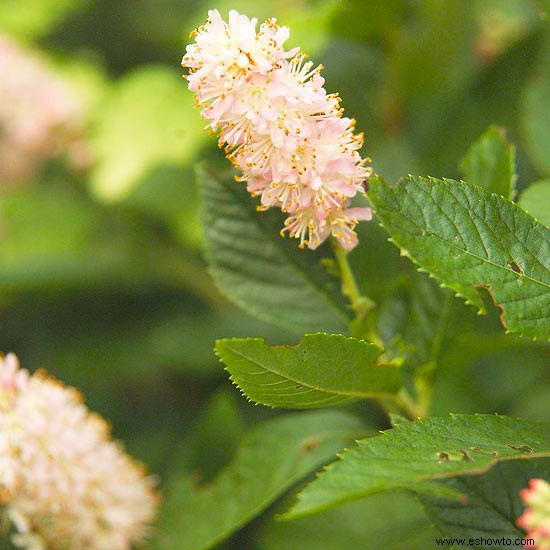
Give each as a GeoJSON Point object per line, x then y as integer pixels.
{"type": "Point", "coordinates": [424, 392]}
{"type": "Point", "coordinates": [413, 409]}
{"type": "Point", "coordinates": [361, 305]}
{"type": "Point", "coordinates": [425, 375]}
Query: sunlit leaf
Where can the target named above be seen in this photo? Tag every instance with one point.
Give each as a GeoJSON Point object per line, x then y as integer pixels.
{"type": "Point", "coordinates": [31, 19]}
{"type": "Point", "coordinates": [148, 120]}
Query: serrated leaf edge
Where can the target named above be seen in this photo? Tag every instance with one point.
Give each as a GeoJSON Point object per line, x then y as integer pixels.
{"type": "Point", "coordinates": [481, 310]}
{"type": "Point", "coordinates": [350, 395]}
{"type": "Point", "coordinates": [291, 514]}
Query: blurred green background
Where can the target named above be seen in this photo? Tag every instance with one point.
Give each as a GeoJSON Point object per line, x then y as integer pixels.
{"type": "Point", "coordinates": [102, 280]}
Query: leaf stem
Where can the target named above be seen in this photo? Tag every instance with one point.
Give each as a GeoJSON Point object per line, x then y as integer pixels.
{"type": "Point", "coordinates": [361, 305]}
{"type": "Point", "coordinates": [425, 375]}
{"type": "Point", "coordinates": [413, 409]}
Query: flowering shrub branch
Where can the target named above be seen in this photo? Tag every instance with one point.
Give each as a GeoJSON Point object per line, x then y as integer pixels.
{"type": "Point", "coordinates": [387, 368]}
{"type": "Point", "coordinates": [298, 153]}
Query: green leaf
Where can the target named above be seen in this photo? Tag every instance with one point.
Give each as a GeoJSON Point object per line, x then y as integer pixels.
{"type": "Point", "coordinates": [545, 6]}
{"type": "Point", "coordinates": [269, 461]}
{"type": "Point", "coordinates": [31, 19]}
{"type": "Point", "coordinates": [219, 426]}
{"type": "Point", "coordinates": [490, 505]}
{"type": "Point", "coordinates": [55, 238]}
{"type": "Point", "coordinates": [490, 163]}
{"type": "Point", "coordinates": [266, 275]}
{"type": "Point", "coordinates": [146, 121]}
{"type": "Point", "coordinates": [469, 240]}
{"type": "Point", "coordinates": [482, 370]}
{"type": "Point", "coordinates": [396, 521]}
{"type": "Point", "coordinates": [322, 370]}
{"type": "Point", "coordinates": [413, 454]}
{"type": "Point", "coordinates": [155, 197]}
{"type": "Point", "coordinates": [536, 200]}
{"type": "Point", "coordinates": [7, 530]}
{"type": "Point", "coordinates": [397, 419]}
{"type": "Point", "coordinates": [415, 322]}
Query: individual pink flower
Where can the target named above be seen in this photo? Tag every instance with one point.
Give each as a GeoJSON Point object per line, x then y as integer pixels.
{"type": "Point", "coordinates": [279, 127]}
{"type": "Point", "coordinates": [535, 520]}
{"type": "Point", "coordinates": [63, 482]}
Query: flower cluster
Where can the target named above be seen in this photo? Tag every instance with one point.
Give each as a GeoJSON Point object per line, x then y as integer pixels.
{"type": "Point", "coordinates": [279, 126]}
{"type": "Point", "coordinates": [63, 483]}
{"type": "Point", "coordinates": [39, 117]}
{"type": "Point", "coordinates": [536, 518]}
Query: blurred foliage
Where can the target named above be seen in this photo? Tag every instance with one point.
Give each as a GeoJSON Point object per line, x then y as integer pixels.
{"type": "Point", "coordinates": [102, 279]}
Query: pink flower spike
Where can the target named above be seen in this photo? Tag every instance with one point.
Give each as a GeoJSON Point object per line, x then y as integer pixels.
{"type": "Point", "coordinates": [64, 483]}
{"type": "Point", "coordinates": [535, 520]}
{"type": "Point", "coordinates": [279, 126]}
